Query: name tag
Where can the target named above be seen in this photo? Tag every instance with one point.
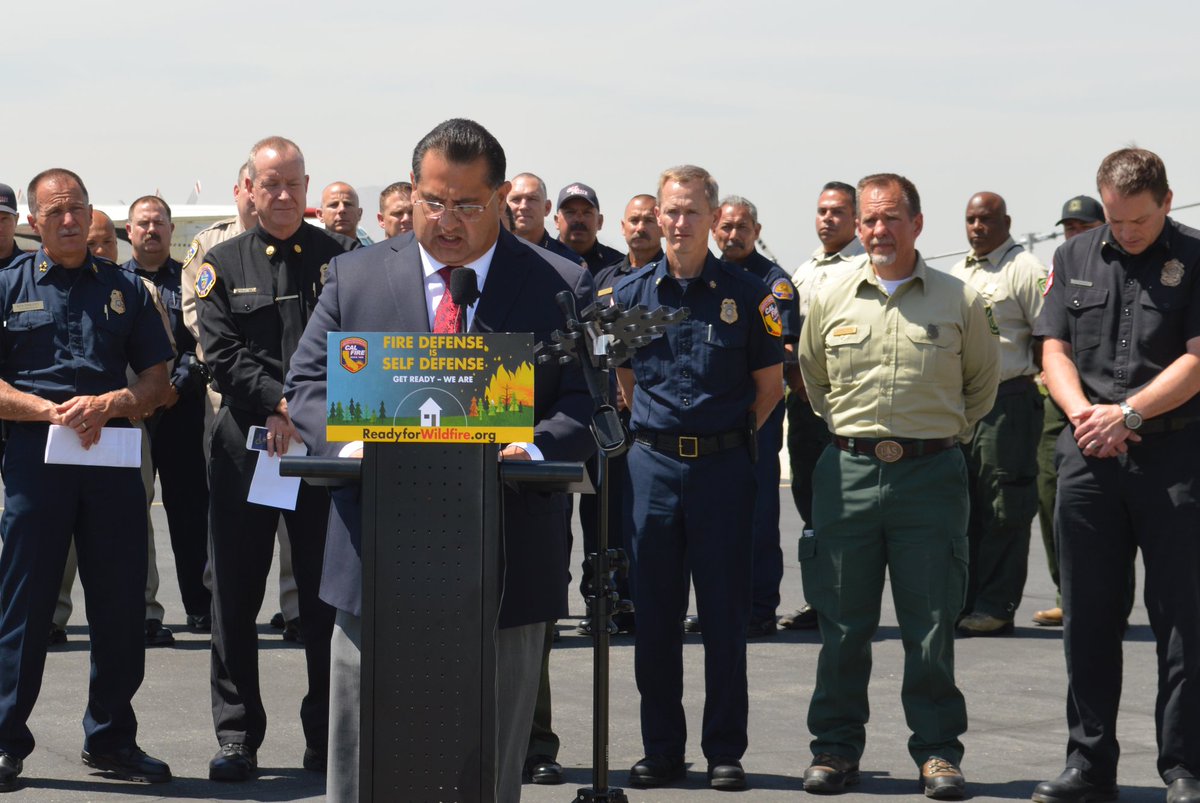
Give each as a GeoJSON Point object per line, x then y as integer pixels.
{"type": "Point", "coordinates": [842, 331]}
{"type": "Point", "coordinates": [237, 291]}
{"type": "Point", "coordinates": [1081, 282]}
{"type": "Point", "coordinates": [28, 306]}
{"type": "Point", "coordinates": [605, 292]}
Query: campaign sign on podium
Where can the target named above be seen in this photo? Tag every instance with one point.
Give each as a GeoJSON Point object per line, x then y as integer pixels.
{"type": "Point", "coordinates": [418, 387]}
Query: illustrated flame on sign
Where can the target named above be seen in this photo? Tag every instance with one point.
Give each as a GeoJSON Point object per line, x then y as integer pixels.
{"type": "Point", "coordinates": [352, 354]}
{"type": "Point", "coordinates": [507, 386]}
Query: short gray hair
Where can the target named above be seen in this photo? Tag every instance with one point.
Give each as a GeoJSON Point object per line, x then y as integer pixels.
{"type": "Point", "coordinates": [737, 200]}
{"type": "Point", "coordinates": [684, 174]}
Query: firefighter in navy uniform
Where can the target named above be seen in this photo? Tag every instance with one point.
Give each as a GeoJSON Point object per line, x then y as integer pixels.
{"type": "Point", "coordinates": [697, 392]}
{"type": "Point", "coordinates": [1121, 355]}
{"type": "Point", "coordinates": [254, 296]}
{"type": "Point", "coordinates": [73, 323]}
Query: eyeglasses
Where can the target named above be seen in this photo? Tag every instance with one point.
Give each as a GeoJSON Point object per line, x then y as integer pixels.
{"type": "Point", "coordinates": [464, 212]}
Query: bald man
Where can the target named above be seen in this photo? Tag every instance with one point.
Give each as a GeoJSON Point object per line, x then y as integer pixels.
{"type": "Point", "coordinates": [1002, 454]}
{"type": "Point", "coordinates": [102, 236]}
{"type": "Point", "coordinates": [340, 210]}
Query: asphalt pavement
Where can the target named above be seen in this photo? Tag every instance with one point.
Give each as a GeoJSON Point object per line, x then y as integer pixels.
{"type": "Point", "coordinates": [1015, 689]}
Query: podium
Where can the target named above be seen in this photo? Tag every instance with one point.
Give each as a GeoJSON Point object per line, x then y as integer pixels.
{"type": "Point", "coordinates": [431, 556]}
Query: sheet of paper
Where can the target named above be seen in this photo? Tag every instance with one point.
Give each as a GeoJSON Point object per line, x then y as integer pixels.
{"type": "Point", "coordinates": [270, 489]}
{"type": "Point", "coordinates": [119, 447]}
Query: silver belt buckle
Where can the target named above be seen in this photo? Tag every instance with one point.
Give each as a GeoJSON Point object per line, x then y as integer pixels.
{"type": "Point", "coordinates": [889, 451]}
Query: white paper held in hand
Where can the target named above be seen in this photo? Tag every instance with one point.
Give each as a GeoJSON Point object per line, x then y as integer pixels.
{"type": "Point", "coordinates": [118, 447]}
{"type": "Point", "coordinates": [270, 489]}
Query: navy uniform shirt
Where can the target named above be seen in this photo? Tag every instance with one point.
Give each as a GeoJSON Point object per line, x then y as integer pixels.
{"type": "Point", "coordinates": [781, 287]}
{"type": "Point", "coordinates": [254, 294]}
{"type": "Point", "coordinates": [608, 278]}
{"type": "Point", "coordinates": [557, 247]}
{"type": "Point", "coordinates": [11, 258]}
{"type": "Point", "coordinates": [72, 332]}
{"type": "Point", "coordinates": [1126, 317]}
{"type": "Point", "coordinates": [598, 257]}
{"type": "Point", "coordinates": [696, 378]}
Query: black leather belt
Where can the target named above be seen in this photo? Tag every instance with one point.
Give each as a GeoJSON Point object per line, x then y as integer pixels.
{"type": "Point", "coordinates": [1158, 425]}
{"type": "Point", "coordinates": [1017, 384]}
{"type": "Point", "coordinates": [889, 450]}
{"type": "Point", "coordinates": [691, 445]}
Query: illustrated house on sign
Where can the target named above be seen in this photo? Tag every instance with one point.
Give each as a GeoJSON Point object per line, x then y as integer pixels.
{"type": "Point", "coordinates": [431, 414]}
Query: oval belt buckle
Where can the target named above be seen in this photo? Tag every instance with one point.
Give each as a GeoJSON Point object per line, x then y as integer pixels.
{"type": "Point", "coordinates": [889, 451]}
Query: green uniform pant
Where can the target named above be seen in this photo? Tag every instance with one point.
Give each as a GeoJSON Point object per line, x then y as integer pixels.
{"type": "Point", "coordinates": [1002, 468]}
{"type": "Point", "coordinates": [910, 518]}
{"type": "Point", "coordinates": [1055, 422]}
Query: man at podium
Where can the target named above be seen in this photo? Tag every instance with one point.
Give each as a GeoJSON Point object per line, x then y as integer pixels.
{"type": "Point", "coordinates": [409, 284]}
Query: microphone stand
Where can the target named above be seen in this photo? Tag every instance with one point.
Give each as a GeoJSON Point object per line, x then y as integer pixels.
{"type": "Point", "coordinates": [599, 339]}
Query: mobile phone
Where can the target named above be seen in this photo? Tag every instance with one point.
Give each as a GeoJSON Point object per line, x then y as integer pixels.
{"type": "Point", "coordinates": [257, 439]}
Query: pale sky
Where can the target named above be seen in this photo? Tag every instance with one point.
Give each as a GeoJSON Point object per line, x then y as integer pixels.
{"type": "Point", "coordinates": [1020, 98]}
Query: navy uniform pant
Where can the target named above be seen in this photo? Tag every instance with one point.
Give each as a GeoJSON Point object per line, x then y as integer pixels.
{"type": "Point", "coordinates": [105, 509]}
{"type": "Point", "coordinates": [241, 544]}
{"type": "Point", "coordinates": [1107, 509]}
{"type": "Point", "coordinates": [176, 443]}
{"type": "Point", "coordinates": [691, 516]}
{"type": "Point", "coordinates": [768, 556]}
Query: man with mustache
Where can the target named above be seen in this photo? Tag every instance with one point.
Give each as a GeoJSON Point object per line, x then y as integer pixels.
{"type": "Point", "coordinates": [579, 220]}
{"type": "Point", "coordinates": [899, 360]}
{"type": "Point", "coordinates": [1002, 453]}
{"type": "Point", "coordinates": [177, 430]}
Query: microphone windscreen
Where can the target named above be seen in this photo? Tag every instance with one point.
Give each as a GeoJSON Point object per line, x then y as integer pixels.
{"type": "Point", "coordinates": [464, 286]}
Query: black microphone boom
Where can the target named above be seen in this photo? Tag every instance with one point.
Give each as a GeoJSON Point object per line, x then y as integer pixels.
{"type": "Point", "coordinates": [464, 286]}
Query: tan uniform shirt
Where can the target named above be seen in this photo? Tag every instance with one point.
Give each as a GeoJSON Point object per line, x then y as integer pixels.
{"type": "Point", "coordinates": [1011, 281]}
{"type": "Point", "coordinates": [920, 364]}
{"type": "Point", "coordinates": [218, 232]}
{"type": "Point", "coordinates": [809, 277]}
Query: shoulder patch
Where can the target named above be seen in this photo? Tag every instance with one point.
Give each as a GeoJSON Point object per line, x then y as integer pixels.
{"type": "Point", "coordinates": [769, 311]}
{"type": "Point", "coordinates": [191, 254]}
{"type": "Point", "coordinates": [205, 279]}
{"type": "Point", "coordinates": [1048, 282]}
{"type": "Point", "coordinates": [783, 290]}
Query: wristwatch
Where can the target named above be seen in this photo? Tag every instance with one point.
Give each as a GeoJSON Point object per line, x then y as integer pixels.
{"type": "Point", "coordinates": [1133, 419]}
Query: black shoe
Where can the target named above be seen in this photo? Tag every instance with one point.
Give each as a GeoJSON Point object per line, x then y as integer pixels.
{"type": "Point", "coordinates": [233, 762]}
{"type": "Point", "coordinates": [315, 760]}
{"type": "Point", "coordinates": [691, 623]}
{"type": "Point", "coordinates": [278, 622]}
{"type": "Point", "coordinates": [543, 770]}
{"type": "Point", "coordinates": [941, 780]}
{"type": "Point", "coordinates": [585, 628]}
{"type": "Point", "coordinates": [1183, 790]}
{"type": "Point", "coordinates": [58, 635]}
{"type": "Point", "coordinates": [656, 771]}
{"type": "Point", "coordinates": [803, 619]}
{"type": "Point", "coordinates": [761, 627]}
{"type": "Point", "coordinates": [130, 764]}
{"type": "Point", "coordinates": [1072, 786]}
{"type": "Point", "coordinates": [291, 631]}
{"type": "Point", "coordinates": [200, 622]}
{"type": "Point", "coordinates": [626, 622]}
{"type": "Point", "coordinates": [10, 768]}
{"type": "Point", "coordinates": [157, 635]}
{"type": "Point", "coordinates": [829, 774]}
{"type": "Point", "coordinates": [727, 773]}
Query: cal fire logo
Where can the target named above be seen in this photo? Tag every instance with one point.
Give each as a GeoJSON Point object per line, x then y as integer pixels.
{"type": "Point", "coordinates": [353, 354]}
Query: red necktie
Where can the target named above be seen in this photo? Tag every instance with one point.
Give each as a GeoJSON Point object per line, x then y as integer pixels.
{"type": "Point", "coordinates": [450, 317]}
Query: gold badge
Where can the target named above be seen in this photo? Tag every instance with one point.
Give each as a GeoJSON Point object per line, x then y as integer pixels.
{"type": "Point", "coordinates": [116, 302]}
{"type": "Point", "coordinates": [889, 451]}
{"type": "Point", "coordinates": [729, 311]}
{"type": "Point", "coordinates": [324, 273]}
{"type": "Point", "coordinates": [1172, 273]}
{"type": "Point", "coordinates": [270, 250]}
{"type": "Point", "coordinates": [296, 248]}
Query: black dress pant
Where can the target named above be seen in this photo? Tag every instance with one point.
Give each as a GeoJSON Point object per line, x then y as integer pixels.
{"type": "Point", "coordinates": [241, 543]}
{"type": "Point", "coordinates": [1106, 510]}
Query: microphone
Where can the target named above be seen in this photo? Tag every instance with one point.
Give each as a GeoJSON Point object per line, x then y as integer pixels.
{"type": "Point", "coordinates": [464, 286]}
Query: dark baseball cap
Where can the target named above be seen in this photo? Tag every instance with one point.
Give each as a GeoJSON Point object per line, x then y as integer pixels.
{"type": "Point", "coordinates": [1081, 207]}
{"type": "Point", "coordinates": [8, 199]}
{"type": "Point", "coordinates": [577, 190]}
